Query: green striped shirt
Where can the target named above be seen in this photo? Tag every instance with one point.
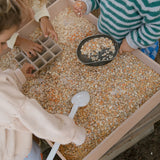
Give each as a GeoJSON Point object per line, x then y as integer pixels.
{"type": "Point", "coordinates": [136, 20]}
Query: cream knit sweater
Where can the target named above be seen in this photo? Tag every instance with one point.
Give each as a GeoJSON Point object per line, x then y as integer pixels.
{"type": "Point", "coordinates": [21, 116]}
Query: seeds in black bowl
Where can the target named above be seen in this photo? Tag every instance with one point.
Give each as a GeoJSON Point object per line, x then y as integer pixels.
{"type": "Point", "coordinates": [99, 49]}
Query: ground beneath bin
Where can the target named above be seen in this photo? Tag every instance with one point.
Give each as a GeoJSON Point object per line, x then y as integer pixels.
{"type": "Point", "coordinates": [146, 149]}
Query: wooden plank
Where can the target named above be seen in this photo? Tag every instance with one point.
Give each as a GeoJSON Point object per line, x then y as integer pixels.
{"type": "Point", "coordinates": [58, 153]}
{"type": "Point", "coordinates": [141, 130]}
{"type": "Point", "coordinates": [127, 143]}
{"type": "Point", "coordinates": [153, 117]}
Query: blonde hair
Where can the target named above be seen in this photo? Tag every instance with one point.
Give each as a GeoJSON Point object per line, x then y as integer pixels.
{"type": "Point", "coordinates": [9, 14]}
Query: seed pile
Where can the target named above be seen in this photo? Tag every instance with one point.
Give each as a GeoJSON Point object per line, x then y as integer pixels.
{"type": "Point", "coordinates": [72, 29]}
{"type": "Point", "coordinates": [117, 89]}
{"type": "Point", "coordinates": [99, 49]}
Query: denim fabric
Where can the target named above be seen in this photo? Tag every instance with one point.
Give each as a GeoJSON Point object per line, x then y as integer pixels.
{"type": "Point", "coordinates": [151, 51]}
{"type": "Point", "coordinates": [35, 153]}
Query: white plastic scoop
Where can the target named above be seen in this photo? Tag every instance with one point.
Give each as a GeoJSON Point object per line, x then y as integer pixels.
{"type": "Point", "coordinates": [80, 99]}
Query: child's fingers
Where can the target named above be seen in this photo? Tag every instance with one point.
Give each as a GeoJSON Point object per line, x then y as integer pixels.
{"type": "Point", "coordinates": [28, 69]}
{"type": "Point", "coordinates": [37, 48]}
{"type": "Point", "coordinates": [30, 66]}
{"type": "Point", "coordinates": [56, 36]}
{"type": "Point", "coordinates": [53, 35]}
{"type": "Point", "coordinates": [77, 9]}
{"type": "Point", "coordinates": [38, 45]}
{"type": "Point", "coordinates": [45, 32]}
{"type": "Point", "coordinates": [29, 75]}
{"type": "Point", "coordinates": [33, 52]}
{"type": "Point", "coordinates": [78, 13]}
{"type": "Point", "coordinates": [28, 54]}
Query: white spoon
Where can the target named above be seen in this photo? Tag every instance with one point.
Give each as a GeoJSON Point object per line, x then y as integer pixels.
{"type": "Point", "coordinates": [81, 99]}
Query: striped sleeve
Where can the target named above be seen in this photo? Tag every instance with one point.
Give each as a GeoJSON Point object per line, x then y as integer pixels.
{"type": "Point", "coordinates": [149, 32]}
{"type": "Point", "coordinates": [91, 5]}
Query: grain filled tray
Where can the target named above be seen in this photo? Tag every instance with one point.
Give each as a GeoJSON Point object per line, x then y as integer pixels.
{"type": "Point", "coordinates": [97, 50]}
{"type": "Point", "coordinates": [122, 92]}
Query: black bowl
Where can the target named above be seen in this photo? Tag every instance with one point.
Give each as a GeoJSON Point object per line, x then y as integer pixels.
{"type": "Point", "coordinates": [88, 61]}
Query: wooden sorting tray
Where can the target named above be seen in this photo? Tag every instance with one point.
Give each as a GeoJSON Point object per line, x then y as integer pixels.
{"type": "Point", "coordinates": [49, 52]}
{"type": "Point", "coordinates": [135, 118]}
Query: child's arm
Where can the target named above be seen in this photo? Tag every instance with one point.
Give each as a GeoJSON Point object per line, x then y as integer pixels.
{"type": "Point", "coordinates": [18, 77]}
{"type": "Point", "coordinates": [29, 116]}
{"type": "Point", "coordinates": [125, 47]}
{"type": "Point", "coordinates": [54, 127]}
{"type": "Point", "coordinates": [26, 45]}
{"type": "Point", "coordinates": [42, 16]}
{"type": "Point", "coordinates": [47, 28]}
{"type": "Point", "coordinates": [149, 31]}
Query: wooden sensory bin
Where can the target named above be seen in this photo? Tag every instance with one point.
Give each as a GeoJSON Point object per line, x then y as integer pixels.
{"type": "Point", "coordinates": [139, 124]}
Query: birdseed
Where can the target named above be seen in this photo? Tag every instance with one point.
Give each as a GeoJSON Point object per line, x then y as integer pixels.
{"type": "Point", "coordinates": [117, 89]}
{"type": "Point", "coordinates": [98, 49]}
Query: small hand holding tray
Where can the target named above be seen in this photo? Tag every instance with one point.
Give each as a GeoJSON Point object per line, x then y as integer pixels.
{"type": "Point", "coordinates": [49, 52]}
{"type": "Point", "coordinates": [92, 52]}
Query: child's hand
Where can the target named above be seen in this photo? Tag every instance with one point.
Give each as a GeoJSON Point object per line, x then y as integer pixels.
{"type": "Point", "coordinates": [28, 46]}
{"type": "Point", "coordinates": [47, 28]}
{"type": "Point", "coordinates": [125, 47]}
{"type": "Point", "coordinates": [80, 8]}
{"type": "Point", "coordinates": [27, 70]}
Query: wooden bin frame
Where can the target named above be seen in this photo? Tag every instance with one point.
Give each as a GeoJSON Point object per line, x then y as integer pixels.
{"type": "Point", "coordinates": [141, 120]}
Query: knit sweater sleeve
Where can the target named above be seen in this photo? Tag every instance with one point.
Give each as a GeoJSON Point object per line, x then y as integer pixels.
{"type": "Point", "coordinates": [149, 32]}
{"type": "Point", "coordinates": [27, 115]}
{"type": "Point", "coordinates": [91, 5]}
{"type": "Point", "coordinates": [39, 10]}
{"type": "Point", "coordinates": [15, 78]}
{"type": "Point", "coordinates": [54, 127]}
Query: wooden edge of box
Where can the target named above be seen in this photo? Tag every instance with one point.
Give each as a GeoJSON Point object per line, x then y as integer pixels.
{"type": "Point", "coordinates": [59, 153]}
{"type": "Point", "coordinates": [128, 124]}
{"type": "Point", "coordinates": [138, 132]}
